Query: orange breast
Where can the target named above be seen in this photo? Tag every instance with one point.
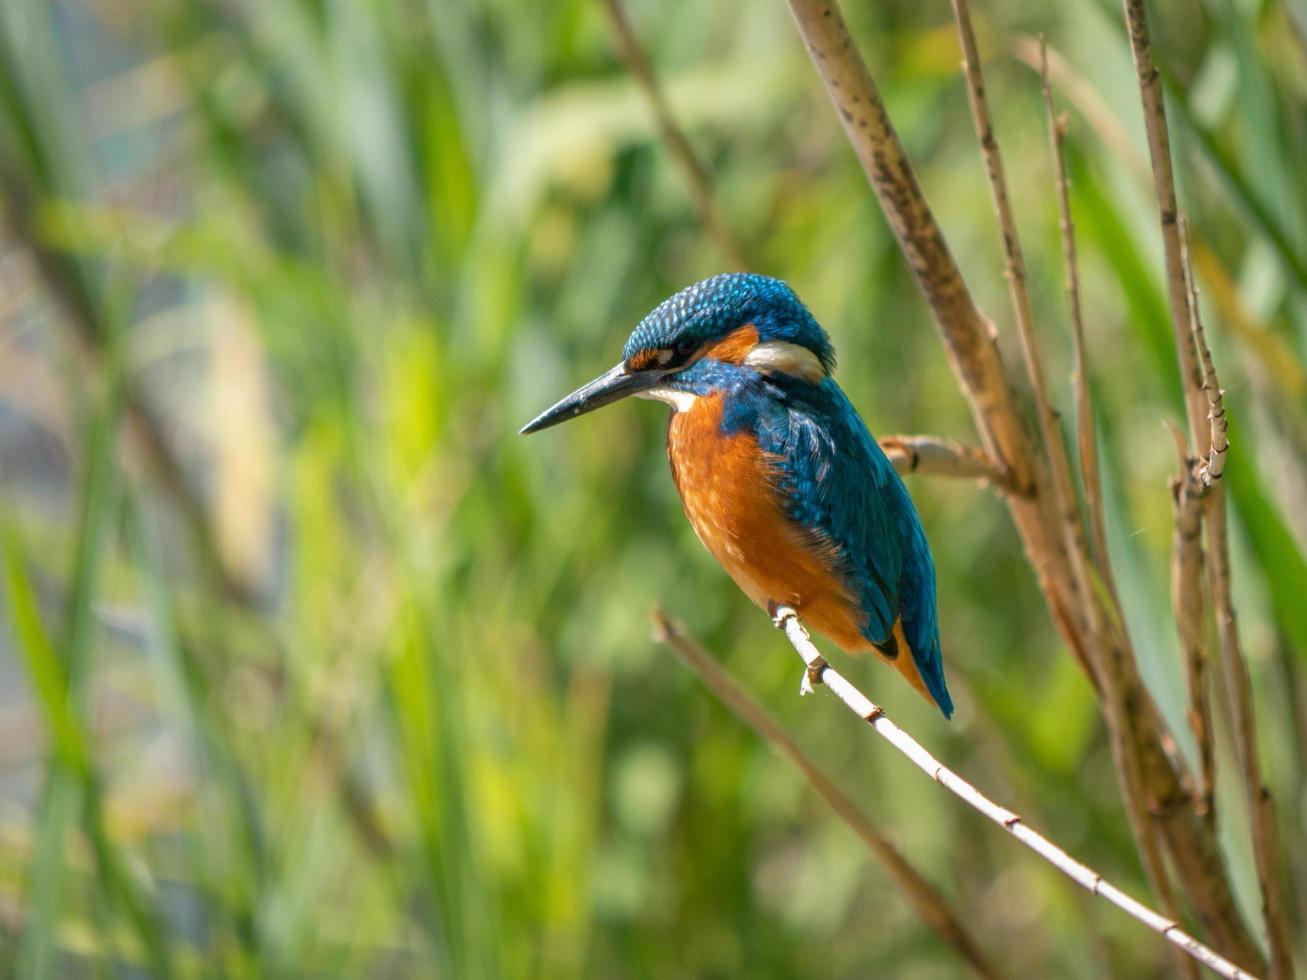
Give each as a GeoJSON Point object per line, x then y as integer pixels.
{"type": "Point", "coordinates": [728, 486]}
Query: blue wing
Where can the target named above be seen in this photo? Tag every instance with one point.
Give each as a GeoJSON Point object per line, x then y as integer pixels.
{"type": "Point", "coordinates": [836, 479]}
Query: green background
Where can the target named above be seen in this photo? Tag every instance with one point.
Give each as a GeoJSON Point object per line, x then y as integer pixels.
{"type": "Point", "coordinates": [408, 718]}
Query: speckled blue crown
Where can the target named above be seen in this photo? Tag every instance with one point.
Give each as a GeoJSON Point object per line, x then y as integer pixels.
{"type": "Point", "coordinates": [716, 306]}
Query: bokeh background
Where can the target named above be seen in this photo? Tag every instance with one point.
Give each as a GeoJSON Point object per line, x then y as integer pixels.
{"type": "Point", "coordinates": [311, 667]}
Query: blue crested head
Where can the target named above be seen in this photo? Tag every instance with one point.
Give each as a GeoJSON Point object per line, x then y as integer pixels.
{"type": "Point", "coordinates": [714, 308]}
{"type": "Point", "coordinates": [721, 330]}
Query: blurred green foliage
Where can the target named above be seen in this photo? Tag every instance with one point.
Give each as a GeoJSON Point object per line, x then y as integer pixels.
{"type": "Point", "coordinates": [403, 716]}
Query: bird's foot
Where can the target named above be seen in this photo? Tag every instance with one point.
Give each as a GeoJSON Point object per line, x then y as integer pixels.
{"type": "Point", "coordinates": [780, 617]}
{"type": "Point", "coordinates": [812, 676]}
{"type": "Point", "coordinates": [778, 613]}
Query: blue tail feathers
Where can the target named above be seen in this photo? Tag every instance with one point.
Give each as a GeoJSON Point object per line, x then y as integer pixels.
{"type": "Point", "coordinates": [931, 667]}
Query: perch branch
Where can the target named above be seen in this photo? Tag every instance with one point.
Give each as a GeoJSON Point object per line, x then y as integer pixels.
{"type": "Point", "coordinates": [931, 906]}
{"type": "Point", "coordinates": [637, 63]}
{"type": "Point", "coordinates": [943, 457]}
{"type": "Point", "coordinates": [818, 671]}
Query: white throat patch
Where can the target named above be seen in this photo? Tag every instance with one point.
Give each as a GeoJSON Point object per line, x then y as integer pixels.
{"type": "Point", "coordinates": [792, 359]}
{"type": "Point", "coordinates": [681, 401]}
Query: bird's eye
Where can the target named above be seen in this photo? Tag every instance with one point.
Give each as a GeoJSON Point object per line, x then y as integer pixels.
{"type": "Point", "coordinates": [685, 347]}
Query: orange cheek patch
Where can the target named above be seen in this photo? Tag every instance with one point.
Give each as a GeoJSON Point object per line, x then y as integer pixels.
{"type": "Point", "coordinates": [735, 346]}
{"type": "Point", "coordinates": [643, 359]}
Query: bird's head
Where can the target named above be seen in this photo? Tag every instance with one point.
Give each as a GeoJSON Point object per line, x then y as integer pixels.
{"type": "Point", "coordinates": [685, 345]}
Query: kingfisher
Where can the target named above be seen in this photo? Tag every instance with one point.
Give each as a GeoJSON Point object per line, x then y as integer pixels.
{"type": "Point", "coordinates": [777, 472]}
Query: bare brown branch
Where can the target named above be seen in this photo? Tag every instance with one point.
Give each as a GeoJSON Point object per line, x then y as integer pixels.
{"type": "Point", "coordinates": [943, 457]}
{"type": "Point", "coordinates": [926, 900]}
{"type": "Point", "coordinates": [1187, 561]}
{"type": "Point", "coordinates": [637, 63]}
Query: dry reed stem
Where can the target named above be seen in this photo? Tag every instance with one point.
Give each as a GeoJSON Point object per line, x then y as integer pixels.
{"type": "Point", "coordinates": [1109, 647]}
{"type": "Point", "coordinates": [1261, 806]}
{"type": "Point", "coordinates": [818, 671]}
{"type": "Point", "coordinates": [637, 63]}
{"type": "Point", "coordinates": [1218, 437]}
{"type": "Point", "coordinates": [1183, 312]}
{"type": "Point", "coordinates": [926, 900]}
{"type": "Point", "coordinates": [1187, 605]}
{"type": "Point", "coordinates": [938, 456]}
{"type": "Point", "coordinates": [1188, 490]}
{"type": "Point", "coordinates": [1159, 152]}
{"type": "Point", "coordinates": [1091, 105]}
{"type": "Point", "coordinates": [1104, 662]}
{"type": "Point", "coordinates": [1061, 491]}
{"type": "Point", "coordinates": [1087, 441]}
{"type": "Point", "coordinates": [1201, 483]}
{"type": "Point", "coordinates": [1119, 685]}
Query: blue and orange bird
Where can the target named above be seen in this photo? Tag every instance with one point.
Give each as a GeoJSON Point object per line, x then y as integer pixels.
{"type": "Point", "coordinates": [778, 474]}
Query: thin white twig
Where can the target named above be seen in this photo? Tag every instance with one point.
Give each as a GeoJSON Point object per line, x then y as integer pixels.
{"type": "Point", "coordinates": [820, 672]}
{"type": "Point", "coordinates": [933, 908]}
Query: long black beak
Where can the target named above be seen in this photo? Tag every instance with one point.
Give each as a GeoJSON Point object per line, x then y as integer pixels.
{"type": "Point", "coordinates": [609, 387]}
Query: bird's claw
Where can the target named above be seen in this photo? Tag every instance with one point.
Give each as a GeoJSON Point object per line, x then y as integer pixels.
{"type": "Point", "coordinates": [812, 676]}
